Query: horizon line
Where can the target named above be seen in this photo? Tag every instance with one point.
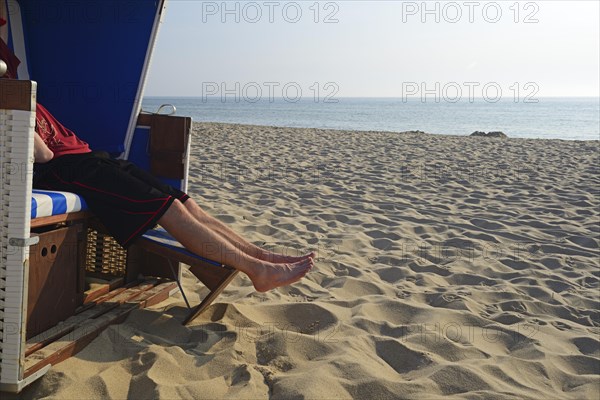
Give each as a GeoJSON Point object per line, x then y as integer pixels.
{"type": "Point", "coordinates": [378, 97]}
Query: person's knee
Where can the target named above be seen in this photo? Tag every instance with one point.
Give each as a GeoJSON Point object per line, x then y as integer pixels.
{"type": "Point", "coordinates": [176, 211]}
{"type": "Point", "coordinates": [178, 206]}
{"type": "Point", "coordinates": [195, 209]}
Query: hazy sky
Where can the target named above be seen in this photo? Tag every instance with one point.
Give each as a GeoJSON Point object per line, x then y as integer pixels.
{"type": "Point", "coordinates": [378, 48]}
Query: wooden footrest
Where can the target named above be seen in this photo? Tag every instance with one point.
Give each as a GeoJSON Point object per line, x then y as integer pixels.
{"type": "Point", "coordinates": [71, 336]}
{"type": "Point", "coordinates": [215, 276]}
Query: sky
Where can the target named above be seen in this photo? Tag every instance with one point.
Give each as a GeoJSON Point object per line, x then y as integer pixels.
{"type": "Point", "coordinates": [378, 49]}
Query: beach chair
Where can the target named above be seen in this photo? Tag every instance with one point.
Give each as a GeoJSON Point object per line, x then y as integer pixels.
{"type": "Point", "coordinates": [62, 278]}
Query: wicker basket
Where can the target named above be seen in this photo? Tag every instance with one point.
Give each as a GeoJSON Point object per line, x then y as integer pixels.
{"type": "Point", "coordinates": [104, 255]}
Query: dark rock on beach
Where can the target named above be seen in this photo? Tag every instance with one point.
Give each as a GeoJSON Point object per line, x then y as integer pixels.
{"type": "Point", "coordinates": [496, 134]}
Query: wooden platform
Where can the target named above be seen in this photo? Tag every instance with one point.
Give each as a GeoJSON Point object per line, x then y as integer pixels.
{"type": "Point", "coordinates": [71, 336]}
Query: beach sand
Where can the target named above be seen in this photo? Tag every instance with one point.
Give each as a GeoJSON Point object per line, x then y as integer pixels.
{"type": "Point", "coordinates": [448, 267]}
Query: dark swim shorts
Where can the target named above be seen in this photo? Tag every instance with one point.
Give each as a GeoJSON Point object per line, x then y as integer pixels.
{"type": "Point", "coordinates": [126, 199]}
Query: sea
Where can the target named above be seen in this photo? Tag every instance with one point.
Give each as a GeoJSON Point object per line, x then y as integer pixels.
{"type": "Point", "coordinates": [572, 118]}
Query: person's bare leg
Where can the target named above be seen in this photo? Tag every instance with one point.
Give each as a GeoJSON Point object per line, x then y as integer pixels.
{"type": "Point", "coordinates": [234, 238]}
{"type": "Point", "coordinates": [202, 240]}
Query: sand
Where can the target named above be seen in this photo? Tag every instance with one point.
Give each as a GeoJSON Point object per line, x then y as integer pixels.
{"type": "Point", "coordinates": [448, 267]}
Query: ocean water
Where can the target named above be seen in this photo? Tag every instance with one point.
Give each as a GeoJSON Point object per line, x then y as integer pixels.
{"type": "Point", "coordinates": [549, 118]}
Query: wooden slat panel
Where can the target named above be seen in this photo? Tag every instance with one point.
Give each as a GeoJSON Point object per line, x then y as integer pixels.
{"type": "Point", "coordinates": [75, 341]}
{"type": "Point", "coordinates": [82, 334]}
{"type": "Point", "coordinates": [145, 119]}
{"type": "Point", "coordinates": [49, 336]}
{"type": "Point", "coordinates": [70, 324]}
{"type": "Point", "coordinates": [154, 295]}
{"type": "Point", "coordinates": [16, 95]}
{"type": "Point", "coordinates": [169, 138]}
{"type": "Point", "coordinates": [101, 290]}
{"type": "Point", "coordinates": [132, 292]}
{"type": "Point", "coordinates": [53, 289]}
{"type": "Point", "coordinates": [57, 219]}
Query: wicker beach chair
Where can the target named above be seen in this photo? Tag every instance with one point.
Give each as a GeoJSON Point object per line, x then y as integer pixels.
{"type": "Point", "coordinates": [50, 244]}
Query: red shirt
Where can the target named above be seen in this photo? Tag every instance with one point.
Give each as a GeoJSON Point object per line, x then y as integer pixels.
{"type": "Point", "coordinates": [58, 138]}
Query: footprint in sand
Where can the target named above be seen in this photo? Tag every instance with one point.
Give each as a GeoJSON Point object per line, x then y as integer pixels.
{"type": "Point", "coordinates": [382, 244]}
{"type": "Point", "coordinates": [587, 346]}
{"type": "Point", "coordinates": [508, 319]}
{"type": "Point", "coordinates": [401, 358]}
{"type": "Point", "coordinates": [489, 311]}
{"type": "Point", "coordinates": [561, 326]}
{"type": "Point", "coordinates": [587, 242]}
{"type": "Point", "coordinates": [487, 225]}
{"type": "Point", "coordinates": [513, 305]}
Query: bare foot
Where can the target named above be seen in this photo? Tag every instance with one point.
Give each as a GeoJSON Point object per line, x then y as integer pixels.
{"type": "Point", "coordinates": [276, 258]}
{"type": "Point", "coordinates": [269, 275]}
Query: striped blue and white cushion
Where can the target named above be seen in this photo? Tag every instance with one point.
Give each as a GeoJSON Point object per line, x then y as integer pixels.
{"type": "Point", "coordinates": [163, 238]}
{"type": "Point", "coordinates": [45, 203]}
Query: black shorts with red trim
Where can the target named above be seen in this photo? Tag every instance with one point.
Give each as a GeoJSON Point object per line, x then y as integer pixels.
{"type": "Point", "coordinates": [127, 200]}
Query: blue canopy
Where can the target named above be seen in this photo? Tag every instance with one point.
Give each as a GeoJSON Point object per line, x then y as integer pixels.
{"type": "Point", "coordinates": [90, 59]}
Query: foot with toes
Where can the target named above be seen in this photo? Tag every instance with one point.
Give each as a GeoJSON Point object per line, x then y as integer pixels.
{"type": "Point", "coordinates": [267, 275]}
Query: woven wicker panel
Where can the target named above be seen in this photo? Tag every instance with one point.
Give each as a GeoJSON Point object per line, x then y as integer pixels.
{"type": "Point", "coordinates": [104, 255]}
{"type": "Point", "coordinates": [16, 171]}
